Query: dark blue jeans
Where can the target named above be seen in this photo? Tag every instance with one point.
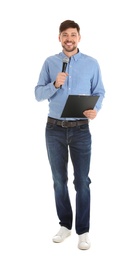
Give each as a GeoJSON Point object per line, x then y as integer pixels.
{"type": "Point", "coordinates": [59, 142]}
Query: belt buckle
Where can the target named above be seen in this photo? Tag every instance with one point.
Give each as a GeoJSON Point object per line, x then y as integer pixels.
{"type": "Point", "coordinates": [64, 124]}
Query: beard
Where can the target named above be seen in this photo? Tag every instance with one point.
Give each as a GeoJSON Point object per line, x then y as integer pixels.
{"type": "Point", "coordinates": [69, 49]}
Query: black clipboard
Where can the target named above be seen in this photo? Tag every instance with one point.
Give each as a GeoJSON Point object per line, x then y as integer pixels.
{"type": "Point", "coordinates": [77, 104]}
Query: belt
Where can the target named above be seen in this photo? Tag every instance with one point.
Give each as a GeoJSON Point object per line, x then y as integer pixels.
{"type": "Point", "coordinates": [65, 123]}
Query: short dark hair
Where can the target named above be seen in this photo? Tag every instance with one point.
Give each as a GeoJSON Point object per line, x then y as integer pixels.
{"type": "Point", "coordinates": [68, 24]}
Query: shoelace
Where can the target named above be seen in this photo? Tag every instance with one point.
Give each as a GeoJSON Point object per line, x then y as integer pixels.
{"type": "Point", "coordinates": [84, 238]}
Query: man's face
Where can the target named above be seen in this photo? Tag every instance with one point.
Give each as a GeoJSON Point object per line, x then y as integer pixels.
{"type": "Point", "coordinates": [69, 40]}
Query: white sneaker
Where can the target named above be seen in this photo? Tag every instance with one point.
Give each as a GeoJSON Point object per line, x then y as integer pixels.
{"type": "Point", "coordinates": [84, 242]}
{"type": "Point", "coordinates": [61, 235]}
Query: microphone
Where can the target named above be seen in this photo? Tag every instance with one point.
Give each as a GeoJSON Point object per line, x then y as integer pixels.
{"type": "Point", "coordinates": [64, 65]}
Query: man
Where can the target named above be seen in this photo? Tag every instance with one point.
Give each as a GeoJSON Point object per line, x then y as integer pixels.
{"type": "Point", "coordinates": [82, 76]}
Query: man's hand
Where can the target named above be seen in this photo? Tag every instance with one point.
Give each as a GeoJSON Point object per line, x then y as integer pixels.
{"type": "Point", "coordinates": [60, 80]}
{"type": "Point", "coordinates": [90, 114]}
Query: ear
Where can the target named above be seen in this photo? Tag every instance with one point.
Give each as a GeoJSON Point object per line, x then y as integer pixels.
{"type": "Point", "coordinates": [59, 38]}
{"type": "Point", "coordinates": [79, 38]}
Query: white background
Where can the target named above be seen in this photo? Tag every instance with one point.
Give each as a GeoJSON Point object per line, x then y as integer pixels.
{"type": "Point", "coordinates": [28, 221]}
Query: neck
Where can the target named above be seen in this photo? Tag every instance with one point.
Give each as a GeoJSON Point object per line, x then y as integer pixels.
{"type": "Point", "coordinates": [69, 54]}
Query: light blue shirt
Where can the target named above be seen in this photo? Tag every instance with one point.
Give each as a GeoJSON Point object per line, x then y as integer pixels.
{"type": "Point", "coordinates": [84, 78]}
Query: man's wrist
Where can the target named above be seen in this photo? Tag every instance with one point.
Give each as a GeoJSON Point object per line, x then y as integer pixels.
{"type": "Point", "coordinates": [55, 84]}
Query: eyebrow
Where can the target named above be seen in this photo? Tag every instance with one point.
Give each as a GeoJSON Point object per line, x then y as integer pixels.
{"type": "Point", "coordinates": [67, 33]}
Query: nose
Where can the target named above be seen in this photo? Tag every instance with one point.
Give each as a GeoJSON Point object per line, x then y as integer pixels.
{"type": "Point", "coordinates": [68, 37]}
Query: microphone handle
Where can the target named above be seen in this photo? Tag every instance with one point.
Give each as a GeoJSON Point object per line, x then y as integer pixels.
{"type": "Point", "coordinates": [64, 69]}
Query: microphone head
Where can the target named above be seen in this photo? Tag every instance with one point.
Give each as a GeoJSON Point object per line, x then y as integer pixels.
{"type": "Point", "coordinates": [64, 64]}
{"type": "Point", "coordinates": [66, 60]}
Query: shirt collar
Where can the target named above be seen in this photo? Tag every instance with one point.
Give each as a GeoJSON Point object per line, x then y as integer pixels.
{"type": "Point", "coordinates": [75, 57]}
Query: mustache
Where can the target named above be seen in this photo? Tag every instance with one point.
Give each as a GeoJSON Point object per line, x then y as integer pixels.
{"type": "Point", "coordinates": [69, 42]}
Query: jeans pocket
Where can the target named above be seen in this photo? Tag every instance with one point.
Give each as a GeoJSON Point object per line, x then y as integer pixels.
{"type": "Point", "coordinates": [49, 126]}
{"type": "Point", "coordinates": [84, 127]}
